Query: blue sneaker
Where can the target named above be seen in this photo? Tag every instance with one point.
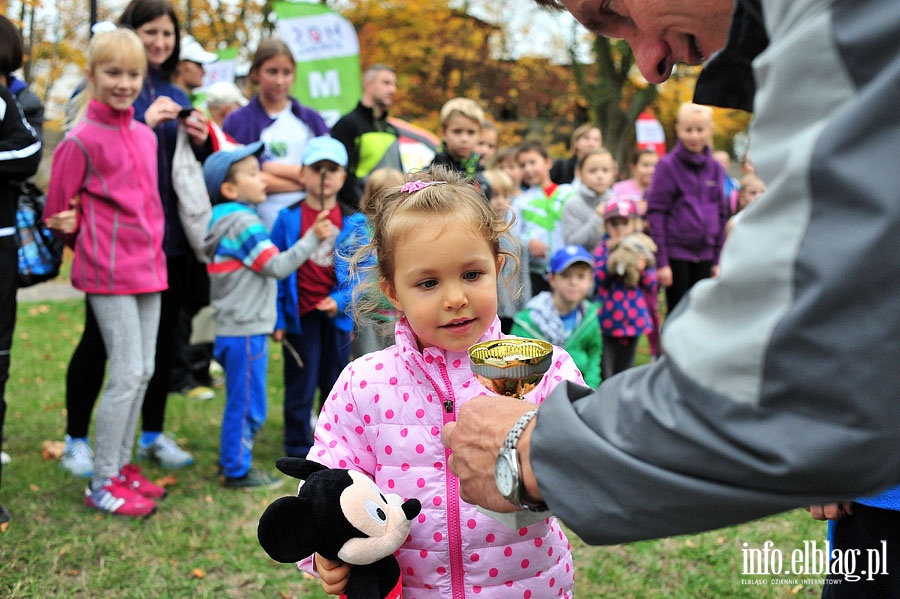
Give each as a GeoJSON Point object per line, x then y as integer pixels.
{"type": "Point", "coordinates": [166, 451]}
{"type": "Point", "coordinates": [78, 458]}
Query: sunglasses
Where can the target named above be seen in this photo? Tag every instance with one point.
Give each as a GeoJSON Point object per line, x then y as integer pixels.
{"type": "Point", "coordinates": [320, 167]}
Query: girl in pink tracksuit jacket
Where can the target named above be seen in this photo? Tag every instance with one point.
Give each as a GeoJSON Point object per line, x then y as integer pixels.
{"type": "Point", "coordinates": [438, 248]}
{"type": "Point", "coordinates": [107, 164]}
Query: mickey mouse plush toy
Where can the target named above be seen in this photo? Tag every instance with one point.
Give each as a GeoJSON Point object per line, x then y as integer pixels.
{"type": "Point", "coordinates": [341, 515]}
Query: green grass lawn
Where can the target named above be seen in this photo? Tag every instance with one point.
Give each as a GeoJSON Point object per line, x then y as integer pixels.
{"type": "Point", "coordinates": [202, 541]}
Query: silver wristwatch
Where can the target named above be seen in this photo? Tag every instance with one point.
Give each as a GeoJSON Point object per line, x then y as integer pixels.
{"type": "Point", "coordinates": [506, 468]}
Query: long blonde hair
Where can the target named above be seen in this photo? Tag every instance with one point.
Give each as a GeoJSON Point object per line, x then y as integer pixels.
{"type": "Point", "coordinates": [121, 46]}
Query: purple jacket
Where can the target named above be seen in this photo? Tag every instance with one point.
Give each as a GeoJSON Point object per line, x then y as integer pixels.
{"type": "Point", "coordinates": [686, 206]}
{"type": "Point", "coordinates": [247, 123]}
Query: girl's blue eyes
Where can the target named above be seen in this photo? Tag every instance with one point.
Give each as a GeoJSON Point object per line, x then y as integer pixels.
{"type": "Point", "coordinates": [469, 276]}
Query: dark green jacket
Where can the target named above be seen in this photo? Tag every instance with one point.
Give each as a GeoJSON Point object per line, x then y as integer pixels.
{"type": "Point", "coordinates": [585, 344]}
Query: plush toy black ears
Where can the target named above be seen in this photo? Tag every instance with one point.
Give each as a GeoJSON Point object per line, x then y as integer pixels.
{"type": "Point", "coordinates": [283, 529]}
{"type": "Point", "coordinates": [287, 528]}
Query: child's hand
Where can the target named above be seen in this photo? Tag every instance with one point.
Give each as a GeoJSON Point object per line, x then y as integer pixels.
{"type": "Point", "coordinates": [664, 276]}
{"type": "Point", "coordinates": [642, 263]}
{"type": "Point", "coordinates": [831, 511]}
{"type": "Point", "coordinates": [334, 575]}
{"type": "Point", "coordinates": [65, 221]}
{"type": "Point", "coordinates": [278, 335]}
{"type": "Point", "coordinates": [323, 227]}
{"type": "Point", "coordinates": [537, 248]}
{"type": "Point", "coordinates": [329, 306]}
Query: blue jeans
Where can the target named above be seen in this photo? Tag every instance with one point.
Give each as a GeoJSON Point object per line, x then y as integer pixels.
{"type": "Point", "coordinates": [324, 350]}
{"type": "Point", "coordinates": [245, 360]}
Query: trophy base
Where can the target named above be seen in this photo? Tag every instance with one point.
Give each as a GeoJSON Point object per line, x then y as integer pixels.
{"type": "Point", "coordinates": [516, 520]}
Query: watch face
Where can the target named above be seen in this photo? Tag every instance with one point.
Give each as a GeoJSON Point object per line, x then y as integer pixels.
{"type": "Point", "coordinates": [505, 475]}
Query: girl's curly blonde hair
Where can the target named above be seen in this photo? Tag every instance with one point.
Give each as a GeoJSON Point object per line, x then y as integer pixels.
{"type": "Point", "coordinates": [451, 198]}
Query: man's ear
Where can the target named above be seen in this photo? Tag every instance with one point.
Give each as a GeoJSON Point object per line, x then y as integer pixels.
{"type": "Point", "coordinates": [390, 293]}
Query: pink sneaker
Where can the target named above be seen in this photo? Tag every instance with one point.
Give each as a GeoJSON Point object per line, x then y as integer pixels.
{"type": "Point", "coordinates": [116, 498]}
{"type": "Point", "coordinates": [131, 476]}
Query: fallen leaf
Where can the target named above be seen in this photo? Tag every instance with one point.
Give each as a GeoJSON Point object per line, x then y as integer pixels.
{"type": "Point", "coordinates": [690, 543]}
{"type": "Point", "coordinates": [52, 450]}
{"type": "Point", "coordinates": [208, 499]}
{"type": "Point", "coordinates": [198, 573]}
{"type": "Point", "coordinates": [34, 487]}
{"type": "Point", "coordinates": [73, 572]}
{"type": "Point", "coordinates": [4, 526]}
{"type": "Point", "coordinates": [166, 481]}
{"type": "Point", "coordinates": [796, 589]}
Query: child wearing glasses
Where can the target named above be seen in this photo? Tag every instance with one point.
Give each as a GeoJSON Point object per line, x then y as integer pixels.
{"type": "Point", "coordinates": [314, 315]}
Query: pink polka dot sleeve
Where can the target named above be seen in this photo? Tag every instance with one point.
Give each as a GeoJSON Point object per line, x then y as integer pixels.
{"type": "Point", "coordinates": [342, 431]}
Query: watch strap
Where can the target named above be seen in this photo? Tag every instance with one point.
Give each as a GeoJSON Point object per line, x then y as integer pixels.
{"type": "Point", "coordinates": [512, 439]}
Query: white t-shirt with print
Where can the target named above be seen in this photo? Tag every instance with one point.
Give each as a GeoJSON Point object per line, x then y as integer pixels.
{"type": "Point", "coordinates": [284, 141]}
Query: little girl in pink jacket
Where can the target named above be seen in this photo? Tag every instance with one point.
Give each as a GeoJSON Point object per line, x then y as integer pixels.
{"type": "Point", "coordinates": [107, 165]}
{"type": "Point", "coordinates": [437, 243]}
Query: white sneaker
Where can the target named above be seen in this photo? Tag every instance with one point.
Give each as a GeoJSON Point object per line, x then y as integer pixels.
{"type": "Point", "coordinates": [166, 451]}
{"type": "Point", "coordinates": [4, 458]}
{"type": "Point", "coordinates": [78, 458]}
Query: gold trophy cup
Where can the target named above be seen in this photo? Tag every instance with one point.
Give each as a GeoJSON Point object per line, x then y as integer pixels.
{"type": "Point", "coordinates": [512, 366]}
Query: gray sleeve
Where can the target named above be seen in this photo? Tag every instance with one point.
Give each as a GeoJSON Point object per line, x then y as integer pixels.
{"type": "Point", "coordinates": [779, 384]}
{"type": "Point", "coordinates": [580, 224]}
{"type": "Point", "coordinates": [290, 260]}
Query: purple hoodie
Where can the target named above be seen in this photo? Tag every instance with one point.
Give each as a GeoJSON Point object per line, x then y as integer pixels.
{"type": "Point", "coordinates": [686, 206]}
{"type": "Point", "coordinates": [247, 123]}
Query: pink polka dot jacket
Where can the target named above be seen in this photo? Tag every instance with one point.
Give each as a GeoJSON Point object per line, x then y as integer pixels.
{"type": "Point", "coordinates": [623, 309]}
{"type": "Point", "coordinates": [384, 418]}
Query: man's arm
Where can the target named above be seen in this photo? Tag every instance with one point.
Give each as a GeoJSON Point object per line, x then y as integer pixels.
{"type": "Point", "coordinates": [786, 365]}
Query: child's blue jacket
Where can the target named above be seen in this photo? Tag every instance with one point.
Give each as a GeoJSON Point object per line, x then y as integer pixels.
{"type": "Point", "coordinates": [353, 235]}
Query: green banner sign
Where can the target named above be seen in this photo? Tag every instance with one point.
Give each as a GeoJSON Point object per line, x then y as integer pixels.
{"type": "Point", "coordinates": [326, 48]}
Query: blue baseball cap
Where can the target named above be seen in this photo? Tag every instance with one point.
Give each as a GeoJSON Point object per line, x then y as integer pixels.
{"type": "Point", "coordinates": [569, 255]}
{"type": "Point", "coordinates": [324, 148]}
{"type": "Point", "coordinates": [216, 166]}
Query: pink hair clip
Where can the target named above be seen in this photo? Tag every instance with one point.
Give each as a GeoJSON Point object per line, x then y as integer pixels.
{"type": "Point", "coordinates": [414, 186]}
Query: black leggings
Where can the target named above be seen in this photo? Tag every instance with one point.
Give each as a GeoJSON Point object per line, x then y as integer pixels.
{"type": "Point", "coordinates": [8, 283]}
{"type": "Point", "coordinates": [87, 366]}
{"type": "Point", "coordinates": [618, 354]}
{"type": "Point", "coordinates": [684, 275]}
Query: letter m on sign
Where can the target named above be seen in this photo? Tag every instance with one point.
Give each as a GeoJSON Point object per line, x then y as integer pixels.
{"type": "Point", "coordinates": [324, 85]}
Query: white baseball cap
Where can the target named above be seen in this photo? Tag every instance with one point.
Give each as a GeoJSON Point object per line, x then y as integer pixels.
{"type": "Point", "coordinates": [192, 50]}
